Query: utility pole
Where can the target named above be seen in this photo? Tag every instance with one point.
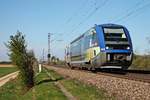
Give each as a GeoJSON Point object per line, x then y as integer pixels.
{"type": "Point", "coordinates": [43, 56]}
{"type": "Point", "coordinates": [49, 47]}
{"type": "Point", "coordinates": [49, 55]}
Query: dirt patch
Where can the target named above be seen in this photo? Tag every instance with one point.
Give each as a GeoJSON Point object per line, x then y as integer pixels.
{"type": "Point", "coordinates": [7, 65]}
{"type": "Point", "coordinates": [8, 77]}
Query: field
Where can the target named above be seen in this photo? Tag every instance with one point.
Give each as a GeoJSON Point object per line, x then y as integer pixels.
{"type": "Point", "coordinates": [46, 89]}
{"type": "Point", "coordinates": [4, 70]}
{"type": "Point", "coordinates": [6, 65]}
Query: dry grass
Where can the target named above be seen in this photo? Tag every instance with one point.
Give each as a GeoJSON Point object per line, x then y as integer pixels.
{"type": "Point", "coordinates": [6, 65]}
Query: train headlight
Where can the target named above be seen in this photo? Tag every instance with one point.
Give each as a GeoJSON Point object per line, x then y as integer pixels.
{"type": "Point", "coordinates": [128, 48]}
{"type": "Point", "coordinates": [107, 47]}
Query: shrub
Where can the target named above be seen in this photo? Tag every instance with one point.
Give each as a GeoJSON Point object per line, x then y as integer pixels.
{"type": "Point", "coordinates": [22, 58]}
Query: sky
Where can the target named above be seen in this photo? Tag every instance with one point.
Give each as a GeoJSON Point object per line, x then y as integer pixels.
{"type": "Point", "coordinates": [67, 19]}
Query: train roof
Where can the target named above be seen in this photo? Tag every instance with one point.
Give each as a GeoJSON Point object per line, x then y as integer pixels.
{"type": "Point", "coordinates": [77, 38]}
{"type": "Point", "coordinates": [101, 25]}
{"type": "Point", "coordinates": [110, 25]}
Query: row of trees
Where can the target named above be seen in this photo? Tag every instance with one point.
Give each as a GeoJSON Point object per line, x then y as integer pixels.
{"type": "Point", "coordinates": [54, 59]}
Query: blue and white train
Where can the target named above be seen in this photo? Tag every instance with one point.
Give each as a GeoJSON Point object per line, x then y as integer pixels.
{"type": "Point", "coordinates": [102, 46]}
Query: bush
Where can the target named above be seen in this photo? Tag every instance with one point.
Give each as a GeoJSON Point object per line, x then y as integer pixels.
{"type": "Point", "coordinates": [141, 61]}
{"type": "Point", "coordinates": [22, 58]}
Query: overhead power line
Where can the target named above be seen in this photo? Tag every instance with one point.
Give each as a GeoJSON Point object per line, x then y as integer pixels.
{"type": "Point", "coordinates": [90, 15]}
{"type": "Point", "coordinates": [83, 9]}
{"type": "Point", "coordinates": [77, 11]}
{"type": "Point", "coordinates": [138, 12]}
{"type": "Point", "coordinates": [133, 11]}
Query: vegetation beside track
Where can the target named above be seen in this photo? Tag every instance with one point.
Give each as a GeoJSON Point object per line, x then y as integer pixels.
{"type": "Point", "coordinates": [141, 62]}
{"type": "Point", "coordinates": [83, 91]}
{"type": "Point", "coordinates": [7, 70]}
{"type": "Point", "coordinates": [80, 90]}
{"type": "Point", "coordinates": [45, 89]}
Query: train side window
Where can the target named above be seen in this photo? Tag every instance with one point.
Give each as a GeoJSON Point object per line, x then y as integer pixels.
{"type": "Point", "coordinates": [90, 39]}
{"type": "Point", "coordinates": [94, 41]}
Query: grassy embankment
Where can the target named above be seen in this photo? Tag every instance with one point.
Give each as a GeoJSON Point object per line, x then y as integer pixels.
{"type": "Point", "coordinates": [45, 88]}
{"type": "Point", "coordinates": [141, 62]}
{"type": "Point", "coordinates": [80, 90]}
{"type": "Point", "coordinates": [6, 70]}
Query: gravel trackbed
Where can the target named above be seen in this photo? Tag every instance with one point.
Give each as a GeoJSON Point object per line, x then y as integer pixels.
{"type": "Point", "coordinates": [122, 89]}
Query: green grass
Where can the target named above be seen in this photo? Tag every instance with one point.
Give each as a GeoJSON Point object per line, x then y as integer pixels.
{"type": "Point", "coordinates": [12, 90]}
{"type": "Point", "coordinates": [6, 70]}
{"type": "Point", "coordinates": [81, 90]}
{"type": "Point", "coordinates": [44, 89]}
{"type": "Point", "coordinates": [54, 74]}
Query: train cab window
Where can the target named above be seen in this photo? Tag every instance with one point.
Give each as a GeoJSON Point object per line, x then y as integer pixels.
{"type": "Point", "coordinates": [113, 34]}
{"type": "Point", "coordinates": [115, 38]}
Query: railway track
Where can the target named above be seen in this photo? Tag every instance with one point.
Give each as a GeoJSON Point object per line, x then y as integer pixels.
{"type": "Point", "coordinates": [142, 77]}
{"type": "Point", "coordinates": [136, 75]}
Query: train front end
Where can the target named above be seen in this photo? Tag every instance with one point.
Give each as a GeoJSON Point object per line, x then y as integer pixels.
{"type": "Point", "coordinates": [115, 46]}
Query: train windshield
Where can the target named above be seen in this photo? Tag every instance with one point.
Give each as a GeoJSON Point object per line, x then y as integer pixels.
{"type": "Point", "coordinates": [113, 34]}
{"type": "Point", "coordinates": [115, 38]}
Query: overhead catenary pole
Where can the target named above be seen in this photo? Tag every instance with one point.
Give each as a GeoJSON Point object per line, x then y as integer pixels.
{"type": "Point", "coordinates": [43, 56]}
{"type": "Point", "coordinates": [49, 55]}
